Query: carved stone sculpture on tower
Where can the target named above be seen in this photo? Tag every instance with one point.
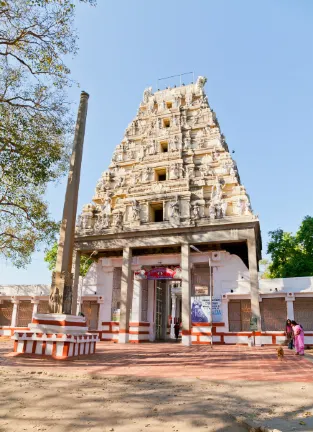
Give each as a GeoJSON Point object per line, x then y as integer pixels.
{"type": "Point", "coordinates": [175, 211]}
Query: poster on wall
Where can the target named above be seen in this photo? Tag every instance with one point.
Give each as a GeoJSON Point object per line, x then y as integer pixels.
{"type": "Point", "coordinates": [116, 315]}
{"type": "Point", "coordinates": [200, 309]}
{"type": "Point", "coordinates": [201, 290]}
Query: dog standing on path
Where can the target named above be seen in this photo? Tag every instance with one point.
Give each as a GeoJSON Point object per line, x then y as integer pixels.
{"type": "Point", "coordinates": [280, 353]}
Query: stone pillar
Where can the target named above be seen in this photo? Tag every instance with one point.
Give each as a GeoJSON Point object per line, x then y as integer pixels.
{"type": "Point", "coordinates": [105, 310]}
{"type": "Point", "coordinates": [151, 309]}
{"type": "Point", "coordinates": [173, 315]}
{"type": "Point", "coordinates": [61, 293]}
{"type": "Point", "coordinates": [35, 302]}
{"type": "Point", "coordinates": [14, 312]}
{"type": "Point", "coordinates": [125, 295]}
{"type": "Point", "coordinates": [137, 301]}
{"type": "Point", "coordinates": [75, 271]}
{"type": "Point", "coordinates": [186, 295]}
{"type": "Point", "coordinates": [290, 309]}
{"type": "Point", "coordinates": [225, 301]}
{"type": "Point", "coordinates": [254, 280]}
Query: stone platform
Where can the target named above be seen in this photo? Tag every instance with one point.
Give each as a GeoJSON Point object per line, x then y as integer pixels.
{"type": "Point", "coordinates": [55, 335]}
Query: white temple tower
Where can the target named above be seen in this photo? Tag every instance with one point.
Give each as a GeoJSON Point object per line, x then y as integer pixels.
{"type": "Point", "coordinates": [171, 183]}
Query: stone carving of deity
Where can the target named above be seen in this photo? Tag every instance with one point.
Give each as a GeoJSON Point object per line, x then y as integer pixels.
{"type": "Point", "coordinates": [189, 97]}
{"type": "Point", "coordinates": [172, 145]}
{"type": "Point", "coordinates": [212, 212]}
{"type": "Point", "coordinates": [118, 220]}
{"type": "Point", "coordinates": [205, 170]}
{"type": "Point", "coordinates": [197, 117]}
{"type": "Point", "coordinates": [151, 148]}
{"type": "Point", "coordinates": [102, 221]}
{"type": "Point", "coordinates": [137, 177]}
{"type": "Point", "coordinates": [224, 208]}
{"type": "Point", "coordinates": [159, 123]}
{"type": "Point", "coordinates": [189, 172]}
{"type": "Point", "coordinates": [247, 209]}
{"type": "Point", "coordinates": [239, 207]}
{"type": "Point", "coordinates": [187, 140]}
{"type": "Point", "coordinates": [146, 174]}
{"type": "Point", "coordinates": [55, 299]}
{"type": "Point", "coordinates": [174, 213]}
{"type": "Point", "coordinates": [215, 155]}
{"type": "Point", "coordinates": [217, 193]}
{"type": "Point", "coordinates": [183, 119]}
{"type": "Point", "coordinates": [200, 84]}
{"type": "Point", "coordinates": [195, 212]}
{"type": "Point", "coordinates": [85, 222]}
{"type": "Point", "coordinates": [221, 208]}
{"type": "Point", "coordinates": [106, 208]}
{"type": "Point", "coordinates": [135, 210]}
{"type": "Point", "coordinates": [177, 142]}
{"type": "Point", "coordinates": [174, 171]}
{"type": "Point", "coordinates": [120, 182]}
{"type": "Point", "coordinates": [176, 101]}
{"type": "Point", "coordinates": [204, 103]}
{"type": "Point", "coordinates": [146, 94]}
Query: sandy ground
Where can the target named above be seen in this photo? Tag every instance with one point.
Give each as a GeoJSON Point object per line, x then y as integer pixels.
{"type": "Point", "coordinates": [84, 395]}
{"type": "Point", "coordinates": [54, 402]}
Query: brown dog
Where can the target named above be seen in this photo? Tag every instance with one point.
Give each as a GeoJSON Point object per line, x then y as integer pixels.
{"type": "Point", "coordinates": [280, 353]}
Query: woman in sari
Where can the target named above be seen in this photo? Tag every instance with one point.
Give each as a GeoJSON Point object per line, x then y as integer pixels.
{"type": "Point", "coordinates": [298, 338]}
{"type": "Point", "coordinates": [289, 334]}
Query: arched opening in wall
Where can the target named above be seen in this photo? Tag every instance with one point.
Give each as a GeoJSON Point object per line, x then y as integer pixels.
{"type": "Point", "coordinates": [43, 307]}
{"type": "Point", "coordinates": [90, 309]}
{"type": "Point", "coordinates": [6, 309]}
{"type": "Point", "coordinates": [24, 313]}
{"type": "Point", "coordinates": [303, 311]}
{"type": "Point", "coordinates": [239, 315]}
{"type": "Point", "coordinates": [273, 314]}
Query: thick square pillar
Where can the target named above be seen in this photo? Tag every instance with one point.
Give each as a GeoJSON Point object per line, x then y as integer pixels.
{"type": "Point", "coordinates": [14, 312]}
{"type": "Point", "coordinates": [186, 295]}
{"type": "Point", "coordinates": [290, 308]}
{"type": "Point", "coordinates": [126, 284]}
{"type": "Point", "coordinates": [173, 315]}
{"type": "Point", "coordinates": [137, 301]}
{"type": "Point", "coordinates": [35, 302]}
{"type": "Point", "coordinates": [106, 291]}
{"type": "Point", "coordinates": [75, 271]}
{"type": "Point", "coordinates": [254, 281]}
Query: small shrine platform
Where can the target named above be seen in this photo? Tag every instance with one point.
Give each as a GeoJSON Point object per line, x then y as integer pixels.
{"type": "Point", "coordinates": [55, 335]}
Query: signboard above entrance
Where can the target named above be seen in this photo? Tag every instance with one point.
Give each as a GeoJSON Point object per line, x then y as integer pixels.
{"type": "Point", "coordinates": [158, 273]}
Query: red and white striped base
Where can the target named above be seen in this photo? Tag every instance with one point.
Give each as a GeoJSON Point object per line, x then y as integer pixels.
{"type": "Point", "coordinates": [58, 336]}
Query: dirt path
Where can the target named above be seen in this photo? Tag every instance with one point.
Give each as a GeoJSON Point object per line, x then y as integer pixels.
{"type": "Point", "coordinates": [63, 402]}
{"type": "Point", "coordinates": [156, 388]}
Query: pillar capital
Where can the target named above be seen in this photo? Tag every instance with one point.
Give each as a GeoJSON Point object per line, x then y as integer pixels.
{"type": "Point", "coordinates": [35, 300]}
{"type": "Point", "coordinates": [14, 300]}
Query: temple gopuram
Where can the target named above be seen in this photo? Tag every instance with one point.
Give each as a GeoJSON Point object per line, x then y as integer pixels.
{"type": "Point", "coordinates": [170, 220]}
{"type": "Point", "coordinates": [174, 240]}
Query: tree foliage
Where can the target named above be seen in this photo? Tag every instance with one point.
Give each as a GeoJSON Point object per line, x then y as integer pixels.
{"type": "Point", "coordinates": [291, 255]}
{"type": "Point", "coordinates": [51, 259]}
{"type": "Point", "coordinates": [35, 119]}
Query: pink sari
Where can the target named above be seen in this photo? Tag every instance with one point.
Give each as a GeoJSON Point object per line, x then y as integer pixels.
{"type": "Point", "coordinates": [299, 339]}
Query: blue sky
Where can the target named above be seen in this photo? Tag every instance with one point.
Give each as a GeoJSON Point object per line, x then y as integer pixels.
{"type": "Point", "coordinates": [258, 58]}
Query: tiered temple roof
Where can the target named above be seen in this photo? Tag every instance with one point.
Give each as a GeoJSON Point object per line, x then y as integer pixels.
{"type": "Point", "coordinates": [172, 168]}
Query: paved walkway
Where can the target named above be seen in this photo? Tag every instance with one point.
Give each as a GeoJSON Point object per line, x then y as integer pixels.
{"type": "Point", "coordinates": [170, 360]}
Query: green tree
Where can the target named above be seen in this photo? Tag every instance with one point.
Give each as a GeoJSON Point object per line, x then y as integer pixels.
{"type": "Point", "coordinates": [291, 255]}
{"type": "Point", "coordinates": [35, 117]}
{"type": "Point", "coordinates": [51, 259]}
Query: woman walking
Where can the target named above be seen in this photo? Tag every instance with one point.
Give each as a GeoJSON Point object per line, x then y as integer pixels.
{"type": "Point", "coordinates": [299, 337]}
{"type": "Point", "coordinates": [289, 334]}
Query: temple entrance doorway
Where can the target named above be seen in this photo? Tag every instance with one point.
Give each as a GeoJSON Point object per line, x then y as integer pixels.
{"type": "Point", "coordinates": [168, 309]}
{"type": "Point", "coordinates": [160, 310]}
